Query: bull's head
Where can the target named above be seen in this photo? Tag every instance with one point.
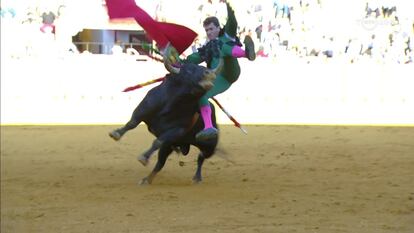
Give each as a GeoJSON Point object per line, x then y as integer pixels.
{"type": "Point", "coordinates": [171, 63]}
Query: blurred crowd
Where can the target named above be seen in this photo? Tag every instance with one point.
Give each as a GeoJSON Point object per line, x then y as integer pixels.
{"type": "Point", "coordinates": [321, 30]}
{"type": "Point", "coordinates": [29, 28]}
{"type": "Point", "coordinates": [308, 31]}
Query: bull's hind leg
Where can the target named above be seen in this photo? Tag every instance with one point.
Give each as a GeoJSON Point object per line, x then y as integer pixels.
{"type": "Point", "coordinates": [205, 153]}
{"type": "Point", "coordinates": [197, 178]}
{"type": "Point", "coordinates": [163, 154]}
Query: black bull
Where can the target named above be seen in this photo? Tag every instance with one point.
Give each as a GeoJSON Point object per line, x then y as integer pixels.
{"type": "Point", "coordinates": [170, 112]}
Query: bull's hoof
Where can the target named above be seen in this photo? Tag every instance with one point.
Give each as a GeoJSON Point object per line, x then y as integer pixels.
{"type": "Point", "coordinates": [207, 134]}
{"type": "Point", "coordinates": [197, 180]}
{"type": "Point", "coordinates": [115, 135]}
{"type": "Point", "coordinates": [143, 160]}
{"type": "Point", "coordinates": [145, 181]}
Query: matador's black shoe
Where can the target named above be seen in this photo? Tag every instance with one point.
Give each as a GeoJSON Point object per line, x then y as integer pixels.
{"type": "Point", "coordinates": [249, 48]}
{"type": "Point", "coordinates": [207, 134]}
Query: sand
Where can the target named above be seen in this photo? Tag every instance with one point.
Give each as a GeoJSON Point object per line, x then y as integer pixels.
{"type": "Point", "coordinates": [331, 179]}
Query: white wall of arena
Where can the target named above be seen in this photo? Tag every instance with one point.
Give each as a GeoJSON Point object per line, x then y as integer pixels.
{"type": "Point", "coordinates": [87, 89]}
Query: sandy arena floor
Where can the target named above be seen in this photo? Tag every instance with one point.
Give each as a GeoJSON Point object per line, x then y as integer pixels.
{"type": "Point", "coordinates": [275, 179]}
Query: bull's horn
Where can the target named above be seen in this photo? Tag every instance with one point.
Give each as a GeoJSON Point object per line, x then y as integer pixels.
{"type": "Point", "coordinates": [169, 56]}
{"type": "Point", "coordinates": [219, 66]}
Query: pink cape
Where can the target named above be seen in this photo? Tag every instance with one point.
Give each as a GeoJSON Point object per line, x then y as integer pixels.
{"type": "Point", "coordinates": [179, 36]}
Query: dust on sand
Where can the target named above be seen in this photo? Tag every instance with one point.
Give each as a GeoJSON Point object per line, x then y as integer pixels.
{"type": "Point", "coordinates": [331, 179]}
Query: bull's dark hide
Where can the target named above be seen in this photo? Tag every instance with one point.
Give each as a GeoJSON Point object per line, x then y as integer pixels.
{"type": "Point", "coordinates": [170, 111]}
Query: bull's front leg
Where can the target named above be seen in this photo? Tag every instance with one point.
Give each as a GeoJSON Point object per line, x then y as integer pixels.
{"type": "Point", "coordinates": [168, 137]}
{"type": "Point", "coordinates": [163, 154]}
{"type": "Point", "coordinates": [144, 158]}
{"type": "Point", "coordinates": [142, 110]}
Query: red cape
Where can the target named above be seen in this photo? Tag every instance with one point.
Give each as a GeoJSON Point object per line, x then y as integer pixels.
{"type": "Point", "coordinates": [179, 36]}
